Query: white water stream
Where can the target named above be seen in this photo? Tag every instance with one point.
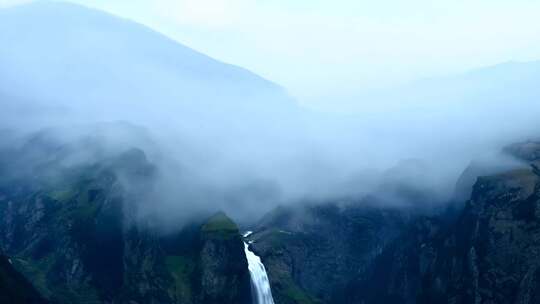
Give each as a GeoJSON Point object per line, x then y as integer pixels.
{"type": "Point", "coordinates": [260, 286]}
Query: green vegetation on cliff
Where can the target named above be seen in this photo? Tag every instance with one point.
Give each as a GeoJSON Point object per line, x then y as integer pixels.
{"type": "Point", "coordinates": [182, 269]}
{"type": "Point", "coordinates": [220, 225]}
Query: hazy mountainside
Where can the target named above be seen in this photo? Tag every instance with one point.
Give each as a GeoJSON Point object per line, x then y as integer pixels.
{"type": "Point", "coordinates": [494, 85]}
{"type": "Point", "coordinates": [487, 254]}
{"type": "Point", "coordinates": [240, 137]}
{"type": "Point", "coordinates": [65, 65]}
{"type": "Point", "coordinates": [483, 252]}
{"type": "Point", "coordinates": [60, 55]}
{"type": "Point", "coordinates": [312, 253]}
{"type": "Point", "coordinates": [499, 87]}
{"type": "Point", "coordinates": [74, 232]}
{"type": "Point", "coordinates": [353, 251]}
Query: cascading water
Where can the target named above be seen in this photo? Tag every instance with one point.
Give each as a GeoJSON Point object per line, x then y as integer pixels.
{"type": "Point", "coordinates": [260, 286]}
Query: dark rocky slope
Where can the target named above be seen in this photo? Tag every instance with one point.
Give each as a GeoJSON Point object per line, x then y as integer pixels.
{"type": "Point", "coordinates": [482, 251]}
{"type": "Point", "coordinates": [487, 254]}
{"type": "Point", "coordinates": [14, 288]}
{"type": "Point", "coordinates": [224, 269]}
{"type": "Point", "coordinates": [73, 231]}
{"type": "Point", "coordinates": [312, 253]}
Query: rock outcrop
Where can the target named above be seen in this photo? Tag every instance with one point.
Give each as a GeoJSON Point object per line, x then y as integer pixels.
{"type": "Point", "coordinates": [224, 269]}
{"type": "Point", "coordinates": [313, 252]}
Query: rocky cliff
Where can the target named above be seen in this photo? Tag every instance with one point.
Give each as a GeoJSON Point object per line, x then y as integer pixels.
{"type": "Point", "coordinates": [224, 269]}
{"type": "Point", "coordinates": [73, 236]}
{"type": "Point", "coordinates": [484, 250]}
{"type": "Point", "coordinates": [488, 253]}
{"type": "Point", "coordinates": [74, 233]}
{"type": "Point", "coordinates": [313, 252]}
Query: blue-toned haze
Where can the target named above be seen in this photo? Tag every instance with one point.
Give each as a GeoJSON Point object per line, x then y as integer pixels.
{"type": "Point", "coordinates": [225, 138]}
{"type": "Point", "coordinates": [321, 50]}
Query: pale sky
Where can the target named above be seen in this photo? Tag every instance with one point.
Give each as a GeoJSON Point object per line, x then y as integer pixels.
{"type": "Point", "coordinates": [321, 49]}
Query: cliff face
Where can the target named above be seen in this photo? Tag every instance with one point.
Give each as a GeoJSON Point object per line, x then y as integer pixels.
{"type": "Point", "coordinates": [224, 269]}
{"type": "Point", "coordinates": [84, 249]}
{"type": "Point", "coordinates": [72, 237]}
{"type": "Point", "coordinates": [76, 238]}
{"type": "Point", "coordinates": [485, 252]}
{"type": "Point", "coordinates": [489, 254]}
{"type": "Point", "coordinates": [67, 233]}
{"type": "Point", "coordinates": [312, 253]}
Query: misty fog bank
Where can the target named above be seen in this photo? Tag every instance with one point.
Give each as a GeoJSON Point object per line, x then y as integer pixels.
{"type": "Point", "coordinates": [223, 138]}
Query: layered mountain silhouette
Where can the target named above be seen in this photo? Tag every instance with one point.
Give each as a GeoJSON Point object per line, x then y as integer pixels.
{"type": "Point", "coordinates": [68, 56]}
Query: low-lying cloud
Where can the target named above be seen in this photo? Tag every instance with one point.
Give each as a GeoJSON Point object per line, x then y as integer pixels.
{"type": "Point", "coordinates": [222, 138]}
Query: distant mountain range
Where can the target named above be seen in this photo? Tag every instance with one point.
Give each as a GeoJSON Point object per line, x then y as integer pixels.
{"type": "Point", "coordinates": [68, 56]}
{"type": "Point", "coordinates": [504, 85]}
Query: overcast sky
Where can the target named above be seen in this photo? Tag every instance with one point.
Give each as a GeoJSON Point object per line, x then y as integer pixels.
{"type": "Point", "coordinates": [318, 49]}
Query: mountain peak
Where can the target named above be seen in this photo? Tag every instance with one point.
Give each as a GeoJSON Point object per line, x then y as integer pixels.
{"type": "Point", "coordinates": [92, 58]}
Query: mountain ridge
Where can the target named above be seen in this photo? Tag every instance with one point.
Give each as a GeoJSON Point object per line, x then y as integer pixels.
{"type": "Point", "coordinates": [88, 58]}
{"type": "Point", "coordinates": [63, 9]}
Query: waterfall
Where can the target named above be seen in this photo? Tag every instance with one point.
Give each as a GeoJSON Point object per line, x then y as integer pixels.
{"type": "Point", "coordinates": [260, 286]}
